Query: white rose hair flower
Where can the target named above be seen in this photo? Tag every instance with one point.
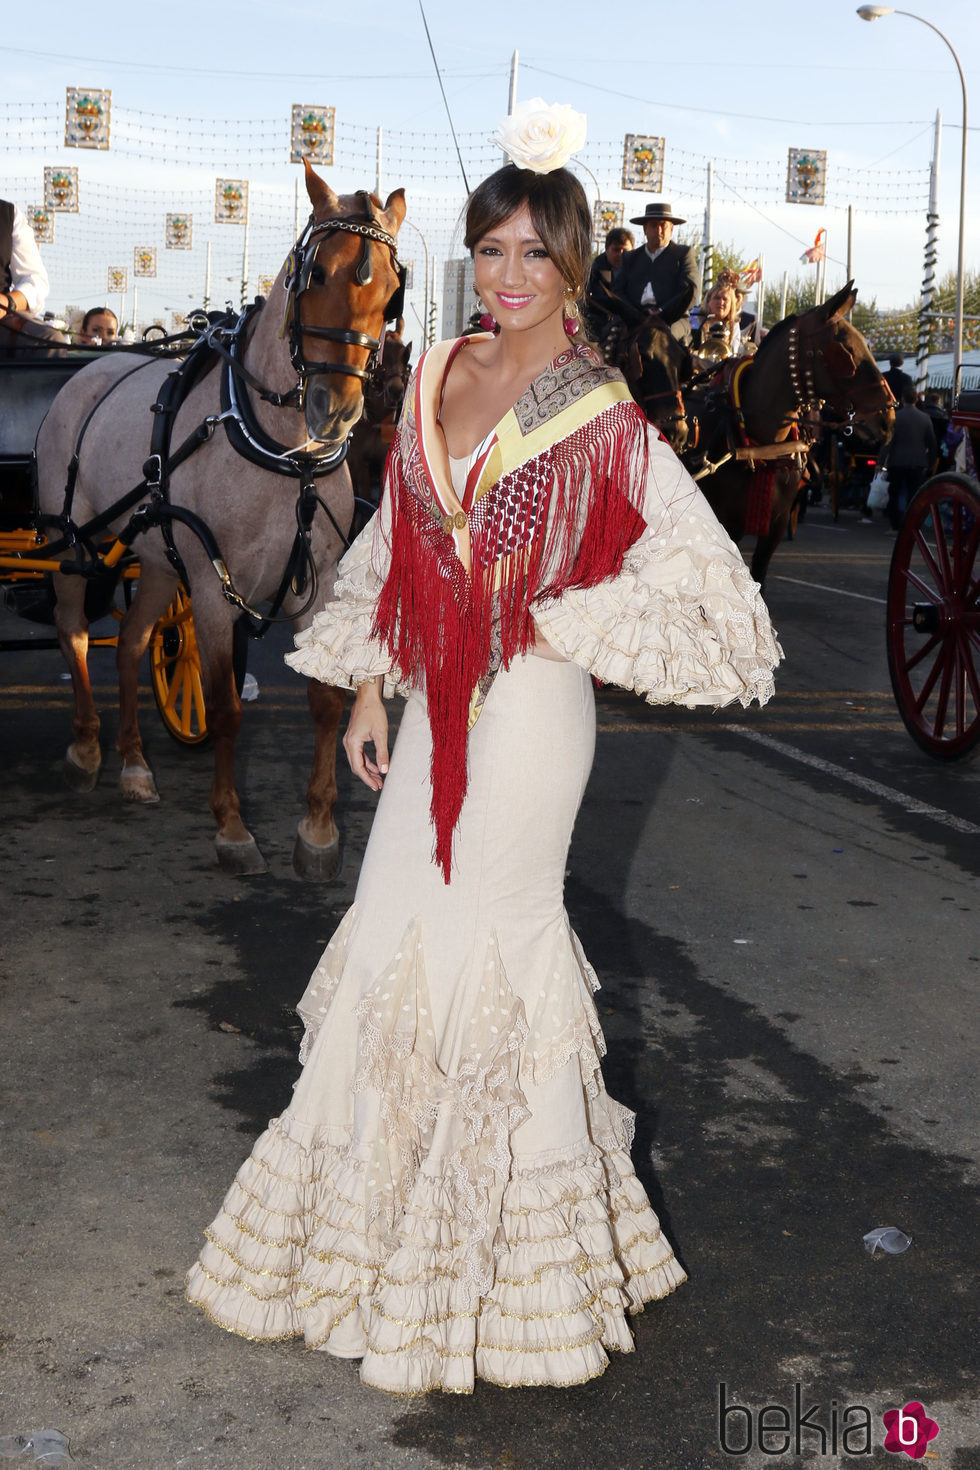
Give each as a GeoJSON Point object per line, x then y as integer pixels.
{"type": "Point", "coordinates": [541, 136]}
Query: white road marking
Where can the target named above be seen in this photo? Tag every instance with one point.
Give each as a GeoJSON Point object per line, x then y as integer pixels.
{"type": "Point", "coordinates": [821, 588]}
{"type": "Point", "coordinates": [865, 783]}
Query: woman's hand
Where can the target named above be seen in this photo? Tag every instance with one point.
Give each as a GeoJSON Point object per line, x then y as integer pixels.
{"type": "Point", "coordinates": [541, 648]}
{"type": "Point", "coordinates": [368, 725]}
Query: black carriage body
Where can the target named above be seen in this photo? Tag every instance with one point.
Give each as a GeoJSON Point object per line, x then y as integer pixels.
{"type": "Point", "coordinates": [28, 387]}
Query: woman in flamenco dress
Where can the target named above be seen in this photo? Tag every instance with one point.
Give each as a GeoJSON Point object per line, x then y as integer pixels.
{"type": "Point", "coordinates": [450, 1194]}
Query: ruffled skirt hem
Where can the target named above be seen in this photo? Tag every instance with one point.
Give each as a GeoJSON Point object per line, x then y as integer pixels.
{"type": "Point", "coordinates": [293, 1254]}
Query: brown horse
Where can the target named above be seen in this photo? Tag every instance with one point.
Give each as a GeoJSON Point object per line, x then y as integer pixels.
{"type": "Point", "coordinates": [374, 430]}
{"type": "Point", "coordinates": [816, 357]}
{"type": "Point", "coordinates": [654, 363]}
{"type": "Point", "coordinates": [283, 383]}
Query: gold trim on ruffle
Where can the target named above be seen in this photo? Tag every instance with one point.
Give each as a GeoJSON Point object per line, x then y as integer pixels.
{"type": "Point", "coordinates": [318, 1343]}
{"type": "Point", "coordinates": [420, 1341]}
{"type": "Point", "coordinates": [424, 1321]}
{"type": "Point", "coordinates": [262, 1239]}
{"type": "Point", "coordinates": [322, 1293]}
{"type": "Point", "coordinates": [585, 1306]}
{"type": "Point", "coordinates": [301, 1214]}
{"type": "Point", "coordinates": [274, 1296]}
{"type": "Point", "coordinates": [579, 1266]}
{"type": "Point", "coordinates": [327, 1258]}
{"type": "Point", "coordinates": [423, 1278]}
{"type": "Point", "coordinates": [414, 1393]}
{"type": "Point", "coordinates": [269, 1209]}
{"type": "Point", "coordinates": [584, 1339]}
{"type": "Point", "coordinates": [236, 1331]}
{"type": "Point", "coordinates": [247, 1265]}
{"type": "Point", "coordinates": [545, 1382]}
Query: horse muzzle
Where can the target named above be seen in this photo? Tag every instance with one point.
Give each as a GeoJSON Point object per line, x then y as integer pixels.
{"type": "Point", "coordinates": [329, 416]}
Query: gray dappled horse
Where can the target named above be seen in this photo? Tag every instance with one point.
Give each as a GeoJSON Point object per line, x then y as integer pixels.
{"type": "Point", "coordinates": [298, 365]}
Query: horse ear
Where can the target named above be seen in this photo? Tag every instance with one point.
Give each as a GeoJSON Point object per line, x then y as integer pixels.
{"type": "Point", "coordinates": [322, 197]}
{"type": "Point", "coordinates": [408, 351]}
{"type": "Point", "coordinates": [840, 304]}
{"type": "Point", "coordinates": [840, 360]}
{"type": "Point", "coordinates": [395, 207]}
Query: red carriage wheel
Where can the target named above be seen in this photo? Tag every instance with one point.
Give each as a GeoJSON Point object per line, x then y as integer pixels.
{"type": "Point", "coordinates": [934, 618]}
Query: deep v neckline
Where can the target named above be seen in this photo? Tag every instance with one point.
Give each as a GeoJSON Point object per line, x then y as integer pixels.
{"type": "Point", "coordinates": [457, 347]}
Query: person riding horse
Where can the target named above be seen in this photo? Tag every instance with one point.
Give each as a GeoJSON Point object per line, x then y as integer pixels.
{"type": "Point", "coordinates": [663, 277]}
{"type": "Point", "coordinates": [599, 315]}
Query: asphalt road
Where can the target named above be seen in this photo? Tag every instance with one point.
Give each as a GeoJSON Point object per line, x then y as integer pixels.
{"type": "Point", "coordinates": [782, 908]}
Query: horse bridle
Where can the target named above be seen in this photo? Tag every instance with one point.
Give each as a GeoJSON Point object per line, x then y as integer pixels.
{"type": "Point", "coordinates": [801, 356]}
{"type": "Point", "coordinates": [299, 274]}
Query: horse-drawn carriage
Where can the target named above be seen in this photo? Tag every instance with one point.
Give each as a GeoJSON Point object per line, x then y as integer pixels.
{"type": "Point", "coordinates": [934, 607]}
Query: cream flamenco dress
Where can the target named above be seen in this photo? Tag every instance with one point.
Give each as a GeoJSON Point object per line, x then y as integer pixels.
{"type": "Point", "coordinates": [449, 1194]}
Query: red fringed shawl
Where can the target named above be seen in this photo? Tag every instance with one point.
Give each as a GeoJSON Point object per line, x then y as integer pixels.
{"type": "Point", "coordinates": [562, 517]}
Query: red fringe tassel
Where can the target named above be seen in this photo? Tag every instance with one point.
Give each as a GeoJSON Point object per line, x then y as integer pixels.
{"type": "Point", "coordinates": [564, 519]}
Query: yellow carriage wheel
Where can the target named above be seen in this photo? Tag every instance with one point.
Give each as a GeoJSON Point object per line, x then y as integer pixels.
{"type": "Point", "coordinates": [175, 672]}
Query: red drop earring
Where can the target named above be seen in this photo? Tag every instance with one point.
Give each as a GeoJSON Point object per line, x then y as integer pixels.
{"type": "Point", "coordinates": [488, 323]}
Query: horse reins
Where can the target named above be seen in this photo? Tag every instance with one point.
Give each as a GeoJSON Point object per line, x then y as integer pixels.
{"type": "Point", "coordinates": [802, 355]}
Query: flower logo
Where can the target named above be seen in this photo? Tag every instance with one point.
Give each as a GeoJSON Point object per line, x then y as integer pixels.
{"type": "Point", "coordinates": [909, 1430]}
{"type": "Point", "coordinates": [540, 137]}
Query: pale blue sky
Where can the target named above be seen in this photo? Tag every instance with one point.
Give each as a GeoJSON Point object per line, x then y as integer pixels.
{"type": "Point", "coordinates": [740, 83]}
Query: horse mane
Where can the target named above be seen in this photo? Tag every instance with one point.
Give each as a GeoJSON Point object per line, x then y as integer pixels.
{"type": "Point", "coordinates": [776, 333]}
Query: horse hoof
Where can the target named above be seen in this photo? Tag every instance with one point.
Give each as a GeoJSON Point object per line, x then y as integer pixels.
{"type": "Point", "coordinates": [315, 864]}
{"type": "Point", "coordinates": [76, 776]}
{"type": "Point", "coordinates": [241, 859]}
{"type": "Point", "coordinates": [137, 784]}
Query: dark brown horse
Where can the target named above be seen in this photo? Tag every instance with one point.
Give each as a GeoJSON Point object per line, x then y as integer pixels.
{"type": "Point", "coordinates": [807, 360]}
{"type": "Point", "coordinates": [654, 363]}
{"type": "Point", "coordinates": [372, 434]}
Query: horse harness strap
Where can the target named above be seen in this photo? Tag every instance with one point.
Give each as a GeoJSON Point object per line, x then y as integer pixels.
{"type": "Point", "coordinates": [246, 438]}
{"type": "Point", "coordinates": [299, 273]}
{"type": "Point", "coordinates": [762, 459]}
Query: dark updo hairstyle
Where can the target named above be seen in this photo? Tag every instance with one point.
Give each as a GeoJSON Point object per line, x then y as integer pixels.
{"type": "Point", "coordinates": [557, 205]}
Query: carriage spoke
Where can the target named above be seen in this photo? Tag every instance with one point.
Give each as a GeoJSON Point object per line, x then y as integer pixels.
{"type": "Point", "coordinates": [928, 558]}
{"type": "Point", "coordinates": [923, 696]}
{"type": "Point", "coordinates": [916, 581]}
{"type": "Point", "coordinates": [969, 666]}
{"type": "Point", "coordinates": [921, 653]}
{"type": "Point", "coordinates": [966, 553]}
{"type": "Point", "coordinates": [942, 700]}
{"type": "Point", "coordinates": [942, 546]}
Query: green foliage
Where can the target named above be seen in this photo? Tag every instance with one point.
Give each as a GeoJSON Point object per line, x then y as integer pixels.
{"type": "Point", "coordinates": [898, 330]}
{"type": "Point", "coordinates": [724, 256]}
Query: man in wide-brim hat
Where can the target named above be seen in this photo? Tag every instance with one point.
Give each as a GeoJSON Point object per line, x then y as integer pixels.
{"type": "Point", "coordinates": [663, 276]}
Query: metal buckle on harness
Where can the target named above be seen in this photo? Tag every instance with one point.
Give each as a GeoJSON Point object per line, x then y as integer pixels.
{"type": "Point", "coordinates": [153, 472]}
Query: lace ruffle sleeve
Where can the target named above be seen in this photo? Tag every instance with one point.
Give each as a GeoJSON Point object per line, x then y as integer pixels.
{"type": "Point", "coordinates": [337, 648]}
{"type": "Point", "coordinates": [683, 622]}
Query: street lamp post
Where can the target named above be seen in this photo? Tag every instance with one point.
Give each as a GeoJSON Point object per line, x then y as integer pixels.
{"type": "Point", "coordinates": [876, 12]}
